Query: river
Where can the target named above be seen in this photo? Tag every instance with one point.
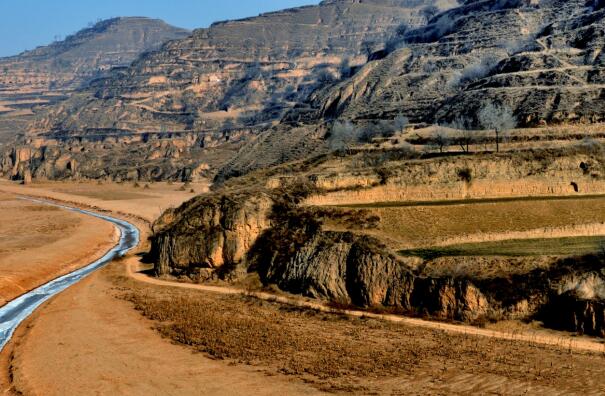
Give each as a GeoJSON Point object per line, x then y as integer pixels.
{"type": "Point", "coordinates": [16, 311]}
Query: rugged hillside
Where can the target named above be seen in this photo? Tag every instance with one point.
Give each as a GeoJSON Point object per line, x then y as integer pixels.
{"type": "Point", "coordinates": [541, 58]}
{"type": "Point", "coordinates": [191, 104]}
{"type": "Point", "coordinates": [39, 75]}
{"type": "Point", "coordinates": [213, 92]}
{"type": "Point", "coordinates": [237, 72]}
{"type": "Point", "coordinates": [264, 225]}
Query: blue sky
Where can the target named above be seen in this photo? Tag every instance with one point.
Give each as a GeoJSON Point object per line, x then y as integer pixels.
{"type": "Point", "coordinates": [26, 24]}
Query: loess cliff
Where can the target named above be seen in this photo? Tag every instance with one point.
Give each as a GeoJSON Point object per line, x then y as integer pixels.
{"type": "Point", "coordinates": [201, 97]}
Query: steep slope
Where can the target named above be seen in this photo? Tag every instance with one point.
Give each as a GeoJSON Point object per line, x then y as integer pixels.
{"type": "Point", "coordinates": [543, 59]}
{"type": "Point", "coordinates": [188, 107]}
{"type": "Point", "coordinates": [238, 72]}
{"type": "Point", "coordinates": [68, 64]}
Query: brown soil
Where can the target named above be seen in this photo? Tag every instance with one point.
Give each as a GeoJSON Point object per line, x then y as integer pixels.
{"type": "Point", "coordinates": [41, 243]}
{"type": "Point", "coordinates": [86, 341]}
{"type": "Point", "coordinates": [145, 202]}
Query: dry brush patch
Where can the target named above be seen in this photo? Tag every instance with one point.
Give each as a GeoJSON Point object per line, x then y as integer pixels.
{"type": "Point", "coordinates": [340, 353]}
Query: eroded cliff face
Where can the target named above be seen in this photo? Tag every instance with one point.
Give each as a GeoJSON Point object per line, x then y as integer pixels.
{"type": "Point", "coordinates": [227, 236]}
{"type": "Point", "coordinates": [542, 59]}
{"type": "Point", "coordinates": [149, 157]}
{"type": "Point", "coordinates": [209, 235]}
{"type": "Point", "coordinates": [236, 73]}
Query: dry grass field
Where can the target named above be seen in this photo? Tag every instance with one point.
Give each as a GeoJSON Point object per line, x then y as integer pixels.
{"type": "Point", "coordinates": [572, 246]}
{"type": "Point", "coordinates": [340, 354]}
{"type": "Point", "coordinates": [417, 225]}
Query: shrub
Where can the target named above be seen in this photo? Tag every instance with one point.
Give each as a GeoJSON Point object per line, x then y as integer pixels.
{"type": "Point", "coordinates": [476, 71]}
{"type": "Point", "coordinates": [465, 174]}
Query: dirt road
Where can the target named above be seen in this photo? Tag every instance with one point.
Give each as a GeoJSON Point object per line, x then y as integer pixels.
{"type": "Point", "coordinates": [579, 344]}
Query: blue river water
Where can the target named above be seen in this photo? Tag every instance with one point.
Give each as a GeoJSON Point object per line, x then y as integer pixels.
{"type": "Point", "coordinates": [16, 311]}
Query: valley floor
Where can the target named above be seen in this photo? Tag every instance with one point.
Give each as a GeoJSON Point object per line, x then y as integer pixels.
{"type": "Point", "coordinates": [91, 340]}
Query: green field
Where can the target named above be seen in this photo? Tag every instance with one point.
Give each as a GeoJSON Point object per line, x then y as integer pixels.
{"type": "Point", "coordinates": [515, 248]}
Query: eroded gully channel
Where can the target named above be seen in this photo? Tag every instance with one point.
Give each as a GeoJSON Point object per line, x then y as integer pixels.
{"type": "Point", "coordinates": [16, 311]}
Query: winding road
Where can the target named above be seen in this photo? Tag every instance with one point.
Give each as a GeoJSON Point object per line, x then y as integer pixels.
{"type": "Point", "coordinates": [13, 313]}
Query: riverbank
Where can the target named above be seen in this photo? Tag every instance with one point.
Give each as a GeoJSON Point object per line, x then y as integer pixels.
{"type": "Point", "coordinates": [41, 243]}
{"type": "Point", "coordinates": [90, 339]}
{"type": "Point", "coordinates": [88, 331]}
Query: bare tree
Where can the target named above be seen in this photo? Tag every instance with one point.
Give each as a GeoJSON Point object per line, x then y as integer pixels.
{"type": "Point", "coordinates": [401, 122]}
{"type": "Point", "coordinates": [467, 137]}
{"type": "Point", "coordinates": [367, 48]}
{"type": "Point", "coordinates": [499, 118]}
{"type": "Point", "coordinates": [342, 137]}
{"type": "Point", "coordinates": [440, 139]}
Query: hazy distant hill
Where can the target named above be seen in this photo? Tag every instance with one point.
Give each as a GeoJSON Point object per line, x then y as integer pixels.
{"type": "Point", "coordinates": [38, 75]}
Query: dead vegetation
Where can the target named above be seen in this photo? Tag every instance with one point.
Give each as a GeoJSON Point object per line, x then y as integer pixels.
{"type": "Point", "coordinates": [354, 355]}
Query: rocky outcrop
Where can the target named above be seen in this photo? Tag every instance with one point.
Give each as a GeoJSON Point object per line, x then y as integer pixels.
{"type": "Point", "coordinates": [228, 235]}
{"type": "Point", "coordinates": [340, 267]}
{"type": "Point", "coordinates": [209, 234]}
{"type": "Point", "coordinates": [448, 298]}
{"type": "Point", "coordinates": [572, 313]}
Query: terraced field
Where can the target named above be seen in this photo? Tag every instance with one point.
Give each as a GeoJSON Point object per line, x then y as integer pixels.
{"type": "Point", "coordinates": [572, 246]}
{"type": "Point", "coordinates": [521, 226]}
